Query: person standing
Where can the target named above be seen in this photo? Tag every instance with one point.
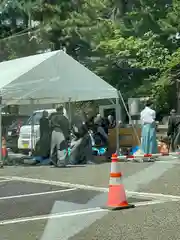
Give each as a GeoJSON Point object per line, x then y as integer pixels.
{"type": "Point", "coordinates": [59, 138]}
{"type": "Point", "coordinates": [148, 132]}
{"type": "Point", "coordinates": [111, 122]}
{"type": "Point", "coordinates": [44, 135]}
{"type": "Point", "coordinates": [173, 131]}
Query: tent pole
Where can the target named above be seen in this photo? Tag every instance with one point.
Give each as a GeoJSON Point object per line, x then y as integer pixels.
{"type": "Point", "coordinates": [32, 128]}
{"type": "Point", "coordinates": [117, 124]}
{"type": "Point", "coordinates": [1, 130]}
{"type": "Point", "coordinates": [70, 117]}
{"type": "Point", "coordinates": [69, 113]}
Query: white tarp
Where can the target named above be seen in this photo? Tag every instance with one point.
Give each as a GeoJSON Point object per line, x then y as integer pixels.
{"type": "Point", "coordinates": [50, 78]}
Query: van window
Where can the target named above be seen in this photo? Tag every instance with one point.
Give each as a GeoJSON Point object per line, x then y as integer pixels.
{"type": "Point", "coordinates": [36, 118]}
{"type": "Point", "coordinates": [110, 111]}
{"type": "Point", "coordinates": [21, 121]}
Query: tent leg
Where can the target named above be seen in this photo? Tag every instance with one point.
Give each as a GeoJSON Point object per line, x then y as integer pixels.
{"type": "Point", "coordinates": [117, 125]}
{"type": "Point", "coordinates": [32, 129]}
{"type": "Point", "coordinates": [70, 118]}
{"type": "Point", "coordinates": [1, 130]}
{"type": "Point", "coordinates": [69, 114]}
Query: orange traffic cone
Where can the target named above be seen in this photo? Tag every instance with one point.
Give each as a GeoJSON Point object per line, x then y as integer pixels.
{"type": "Point", "coordinates": [116, 196]}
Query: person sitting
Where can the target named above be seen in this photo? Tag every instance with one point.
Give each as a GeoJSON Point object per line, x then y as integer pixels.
{"type": "Point", "coordinates": [81, 146]}
{"type": "Point", "coordinates": [99, 134]}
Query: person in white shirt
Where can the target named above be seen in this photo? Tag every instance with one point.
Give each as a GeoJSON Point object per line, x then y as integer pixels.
{"type": "Point", "coordinates": [148, 133]}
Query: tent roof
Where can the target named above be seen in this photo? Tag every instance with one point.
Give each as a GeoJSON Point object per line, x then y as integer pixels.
{"type": "Point", "coordinates": [50, 78]}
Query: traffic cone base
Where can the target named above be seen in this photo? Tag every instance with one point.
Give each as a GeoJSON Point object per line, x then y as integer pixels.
{"type": "Point", "coordinates": [119, 207]}
{"type": "Point", "coordinates": [117, 198]}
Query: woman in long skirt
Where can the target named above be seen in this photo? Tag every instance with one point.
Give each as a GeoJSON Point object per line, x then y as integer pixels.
{"type": "Point", "coordinates": [148, 135]}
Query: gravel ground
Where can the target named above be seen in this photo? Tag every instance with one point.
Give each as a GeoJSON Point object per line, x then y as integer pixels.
{"type": "Point", "coordinates": [22, 231]}
{"type": "Point", "coordinates": [159, 222]}
{"type": "Point", "coordinates": [168, 183]}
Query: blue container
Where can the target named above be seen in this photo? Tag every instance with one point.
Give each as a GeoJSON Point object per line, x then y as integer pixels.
{"type": "Point", "coordinates": [134, 149]}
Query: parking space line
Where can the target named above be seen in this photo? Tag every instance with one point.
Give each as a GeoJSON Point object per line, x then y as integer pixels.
{"type": "Point", "coordinates": [155, 195]}
{"type": "Point", "coordinates": [73, 213]}
{"type": "Point", "coordinates": [6, 180]}
{"type": "Point", "coordinates": [95, 188]}
{"type": "Point", "coordinates": [53, 216]}
{"type": "Point", "coordinates": [141, 204]}
{"type": "Point", "coordinates": [59, 183]}
{"type": "Point", "coordinates": [38, 194]}
{"type": "Point", "coordinates": [169, 161]}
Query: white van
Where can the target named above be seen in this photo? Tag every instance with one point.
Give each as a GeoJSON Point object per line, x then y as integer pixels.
{"type": "Point", "coordinates": [24, 140]}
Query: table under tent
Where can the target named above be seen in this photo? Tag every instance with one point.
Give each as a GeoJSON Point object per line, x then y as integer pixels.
{"type": "Point", "coordinates": [51, 78]}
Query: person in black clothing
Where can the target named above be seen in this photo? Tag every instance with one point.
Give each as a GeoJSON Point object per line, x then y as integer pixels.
{"type": "Point", "coordinates": [81, 146]}
{"type": "Point", "coordinates": [44, 135]}
{"type": "Point", "coordinates": [44, 124]}
{"type": "Point", "coordinates": [174, 130]}
{"type": "Point", "coordinates": [102, 121]}
{"type": "Point", "coordinates": [100, 134]}
{"type": "Point", "coordinates": [59, 138]}
{"type": "Point", "coordinates": [105, 124]}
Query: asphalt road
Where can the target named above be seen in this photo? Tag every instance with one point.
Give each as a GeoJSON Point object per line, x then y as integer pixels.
{"type": "Point", "coordinates": [28, 206]}
{"type": "Point", "coordinates": [147, 222]}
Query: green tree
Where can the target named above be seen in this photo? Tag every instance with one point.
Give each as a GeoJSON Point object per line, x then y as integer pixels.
{"type": "Point", "coordinates": [134, 45]}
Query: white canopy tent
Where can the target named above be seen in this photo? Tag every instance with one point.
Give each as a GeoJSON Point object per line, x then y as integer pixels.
{"type": "Point", "coordinates": [50, 78]}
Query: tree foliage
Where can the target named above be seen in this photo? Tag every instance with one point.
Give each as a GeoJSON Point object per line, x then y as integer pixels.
{"type": "Point", "coordinates": [134, 45]}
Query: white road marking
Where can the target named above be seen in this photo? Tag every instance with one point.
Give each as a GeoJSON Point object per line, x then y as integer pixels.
{"type": "Point", "coordinates": [37, 194]}
{"type": "Point", "coordinates": [73, 225]}
{"type": "Point", "coordinates": [140, 204]}
{"type": "Point", "coordinates": [59, 183]}
{"type": "Point", "coordinates": [71, 213]}
{"type": "Point", "coordinates": [53, 216]}
{"type": "Point", "coordinates": [169, 162]}
{"type": "Point", "coordinates": [5, 180]}
{"type": "Point", "coordinates": [94, 188]}
{"type": "Point", "coordinates": [66, 227]}
{"type": "Point", "coordinates": [154, 195]}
